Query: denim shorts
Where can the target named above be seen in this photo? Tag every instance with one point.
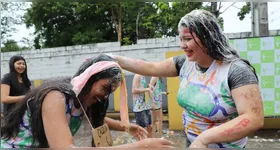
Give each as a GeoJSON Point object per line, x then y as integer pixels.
{"type": "Point", "coordinates": [143, 118]}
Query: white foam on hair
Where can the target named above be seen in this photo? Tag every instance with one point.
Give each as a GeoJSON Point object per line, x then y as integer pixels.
{"type": "Point", "coordinates": [208, 30]}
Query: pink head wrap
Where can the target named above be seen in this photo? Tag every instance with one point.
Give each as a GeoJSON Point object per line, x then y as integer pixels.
{"type": "Point", "coordinates": [79, 82]}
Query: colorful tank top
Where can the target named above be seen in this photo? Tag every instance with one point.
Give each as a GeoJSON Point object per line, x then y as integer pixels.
{"type": "Point", "coordinates": [142, 101]}
{"type": "Point", "coordinates": [207, 100]}
{"type": "Point", "coordinates": [24, 137]}
{"type": "Point", "coordinates": [158, 94]}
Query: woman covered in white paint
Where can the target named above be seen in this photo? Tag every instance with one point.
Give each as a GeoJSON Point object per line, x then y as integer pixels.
{"type": "Point", "coordinates": [218, 91]}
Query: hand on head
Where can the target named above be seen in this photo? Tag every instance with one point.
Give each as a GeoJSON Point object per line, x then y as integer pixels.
{"type": "Point", "coordinates": [109, 54]}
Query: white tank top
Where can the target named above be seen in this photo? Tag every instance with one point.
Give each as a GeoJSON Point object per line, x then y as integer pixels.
{"type": "Point", "coordinates": [207, 100]}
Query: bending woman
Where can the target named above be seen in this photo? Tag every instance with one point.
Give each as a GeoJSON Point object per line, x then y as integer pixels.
{"type": "Point", "coordinates": [51, 114]}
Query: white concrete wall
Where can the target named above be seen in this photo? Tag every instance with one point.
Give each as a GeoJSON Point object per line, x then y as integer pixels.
{"type": "Point", "coordinates": [64, 61]}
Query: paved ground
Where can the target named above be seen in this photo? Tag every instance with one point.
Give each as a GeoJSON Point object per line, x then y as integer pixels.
{"type": "Point", "coordinates": [260, 139]}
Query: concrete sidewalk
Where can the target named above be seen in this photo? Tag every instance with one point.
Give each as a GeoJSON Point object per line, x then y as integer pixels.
{"type": "Point", "coordinates": [260, 139]}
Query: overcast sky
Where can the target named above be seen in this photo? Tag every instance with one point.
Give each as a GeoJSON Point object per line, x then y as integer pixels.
{"type": "Point", "coordinates": [232, 24]}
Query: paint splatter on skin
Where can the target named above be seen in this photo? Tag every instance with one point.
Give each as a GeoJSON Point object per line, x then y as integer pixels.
{"type": "Point", "coordinates": [256, 105]}
{"type": "Point", "coordinates": [242, 124]}
{"type": "Point", "coordinates": [256, 101]}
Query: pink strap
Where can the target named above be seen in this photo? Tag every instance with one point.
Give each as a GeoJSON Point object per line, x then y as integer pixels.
{"type": "Point", "coordinates": [79, 82]}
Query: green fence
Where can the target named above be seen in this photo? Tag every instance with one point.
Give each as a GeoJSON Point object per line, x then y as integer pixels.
{"type": "Point", "coordinates": [264, 54]}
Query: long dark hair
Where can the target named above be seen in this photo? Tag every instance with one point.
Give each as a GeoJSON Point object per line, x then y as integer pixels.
{"type": "Point", "coordinates": [35, 98]}
{"type": "Point", "coordinates": [13, 74]}
{"type": "Point", "coordinates": [206, 27]}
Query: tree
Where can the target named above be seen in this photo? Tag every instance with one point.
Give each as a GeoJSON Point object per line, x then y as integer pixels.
{"type": "Point", "coordinates": [63, 24]}
{"type": "Point", "coordinates": [10, 45]}
{"type": "Point", "coordinates": [116, 15]}
{"type": "Point", "coordinates": [244, 10]}
{"type": "Point", "coordinates": [173, 15]}
{"type": "Point", "coordinates": [10, 16]}
{"type": "Point", "coordinates": [141, 20]}
{"type": "Point", "coordinates": [29, 44]}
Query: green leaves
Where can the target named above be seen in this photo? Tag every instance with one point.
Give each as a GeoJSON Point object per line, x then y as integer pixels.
{"type": "Point", "coordinates": [11, 45]}
{"type": "Point", "coordinates": [244, 10]}
{"type": "Point", "coordinates": [65, 24]}
{"type": "Point", "coordinates": [10, 16]}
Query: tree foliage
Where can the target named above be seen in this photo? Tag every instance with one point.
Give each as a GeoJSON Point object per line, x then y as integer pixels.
{"type": "Point", "coordinates": [9, 46]}
{"type": "Point", "coordinates": [244, 10]}
{"type": "Point", "coordinates": [10, 16]}
{"type": "Point", "coordinates": [62, 24]}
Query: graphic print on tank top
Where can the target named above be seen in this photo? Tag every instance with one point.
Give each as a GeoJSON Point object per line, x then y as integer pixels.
{"type": "Point", "coordinates": [206, 99]}
{"type": "Point", "coordinates": [141, 101]}
{"type": "Point", "coordinates": [158, 94]}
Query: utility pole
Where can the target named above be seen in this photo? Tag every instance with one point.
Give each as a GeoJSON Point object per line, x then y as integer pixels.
{"type": "Point", "coordinates": [214, 8]}
{"type": "Point", "coordinates": [263, 21]}
{"type": "Point", "coordinates": [259, 17]}
{"type": "Point", "coordinates": [0, 26]}
{"type": "Point", "coordinates": [254, 22]}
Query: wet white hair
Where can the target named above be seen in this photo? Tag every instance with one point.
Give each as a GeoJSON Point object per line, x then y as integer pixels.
{"type": "Point", "coordinates": [206, 27]}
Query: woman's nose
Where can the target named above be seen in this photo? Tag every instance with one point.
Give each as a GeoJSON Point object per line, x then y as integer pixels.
{"type": "Point", "coordinates": [183, 45]}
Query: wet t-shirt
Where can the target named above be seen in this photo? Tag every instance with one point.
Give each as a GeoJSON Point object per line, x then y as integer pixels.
{"type": "Point", "coordinates": [205, 95]}
{"type": "Point", "coordinates": [239, 73]}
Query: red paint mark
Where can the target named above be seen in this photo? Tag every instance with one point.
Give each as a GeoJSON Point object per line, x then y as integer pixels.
{"type": "Point", "coordinates": [243, 123]}
{"type": "Point", "coordinates": [219, 63]}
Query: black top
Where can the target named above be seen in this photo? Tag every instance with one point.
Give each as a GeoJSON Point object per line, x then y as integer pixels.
{"type": "Point", "coordinates": [98, 113]}
{"type": "Point", "coordinates": [13, 91]}
{"type": "Point", "coordinates": [239, 73]}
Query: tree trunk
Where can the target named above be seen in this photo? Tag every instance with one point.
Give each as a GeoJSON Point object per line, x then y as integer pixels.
{"type": "Point", "coordinates": [120, 24]}
{"type": "Point", "coordinates": [137, 22]}
{"type": "Point", "coordinates": [114, 20]}
{"type": "Point", "coordinates": [214, 9]}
